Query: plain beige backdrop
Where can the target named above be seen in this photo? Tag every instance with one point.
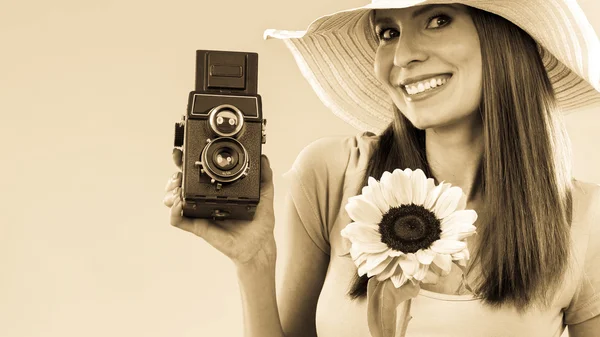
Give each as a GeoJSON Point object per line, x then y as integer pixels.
{"type": "Point", "coordinates": [89, 94]}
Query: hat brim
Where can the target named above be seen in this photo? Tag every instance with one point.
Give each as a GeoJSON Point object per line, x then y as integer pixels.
{"type": "Point", "coordinates": [336, 54]}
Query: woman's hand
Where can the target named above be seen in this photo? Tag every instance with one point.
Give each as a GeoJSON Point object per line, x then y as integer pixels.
{"type": "Point", "coordinates": [246, 243]}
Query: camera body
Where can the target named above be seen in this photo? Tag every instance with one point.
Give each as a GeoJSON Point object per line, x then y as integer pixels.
{"type": "Point", "coordinates": [221, 137]}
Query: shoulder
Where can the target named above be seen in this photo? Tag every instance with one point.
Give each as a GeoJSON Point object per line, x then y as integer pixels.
{"type": "Point", "coordinates": [336, 154]}
{"type": "Point", "coordinates": [585, 250]}
{"type": "Point", "coordinates": [586, 205]}
{"type": "Point", "coordinates": [319, 176]}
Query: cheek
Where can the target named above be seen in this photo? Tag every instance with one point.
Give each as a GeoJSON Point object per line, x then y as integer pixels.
{"type": "Point", "coordinates": [382, 66]}
{"type": "Point", "coordinates": [473, 76]}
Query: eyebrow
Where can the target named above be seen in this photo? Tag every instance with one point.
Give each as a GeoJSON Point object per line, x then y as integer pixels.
{"type": "Point", "coordinates": [420, 11]}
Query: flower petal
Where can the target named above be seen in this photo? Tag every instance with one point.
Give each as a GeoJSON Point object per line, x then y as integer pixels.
{"type": "Point", "coordinates": [377, 259]}
{"type": "Point", "coordinates": [409, 264]}
{"type": "Point", "coordinates": [402, 187]}
{"type": "Point", "coordinates": [462, 255]}
{"type": "Point", "coordinates": [381, 267]}
{"type": "Point", "coordinates": [361, 267]}
{"type": "Point", "coordinates": [361, 210]}
{"type": "Point", "coordinates": [372, 247]}
{"type": "Point", "coordinates": [421, 272]}
{"type": "Point", "coordinates": [444, 246]}
{"type": "Point", "coordinates": [389, 270]}
{"type": "Point", "coordinates": [373, 260]}
{"type": "Point", "coordinates": [434, 194]}
{"type": "Point", "coordinates": [359, 232]}
{"type": "Point", "coordinates": [360, 258]}
{"type": "Point", "coordinates": [419, 187]}
{"type": "Point", "coordinates": [387, 189]}
{"type": "Point", "coordinates": [444, 262]}
{"type": "Point", "coordinates": [458, 218]}
{"type": "Point", "coordinates": [373, 193]}
{"type": "Point", "coordinates": [459, 232]}
{"type": "Point", "coordinates": [399, 279]}
{"type": "Point", "coordinates": [425, 256]}
{"type": "Point", "coordinates": [447, 202]}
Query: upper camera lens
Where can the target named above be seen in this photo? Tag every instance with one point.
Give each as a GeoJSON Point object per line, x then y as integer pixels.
{"type": "Point", "coordinates": [226, 120]}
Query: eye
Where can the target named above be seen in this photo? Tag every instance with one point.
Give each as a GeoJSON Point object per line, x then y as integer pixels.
{"type": "Point", "coordinates": [438, 21]}
{"type": "Point", "coordinates": [386, 34]}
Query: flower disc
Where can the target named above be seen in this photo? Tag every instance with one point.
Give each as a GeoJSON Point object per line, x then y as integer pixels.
{"type": "Point", "coordinates": [408, 228]}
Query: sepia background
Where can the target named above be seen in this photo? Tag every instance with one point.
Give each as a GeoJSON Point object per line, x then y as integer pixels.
{"type": "Point", "coordinates": [90, 92]}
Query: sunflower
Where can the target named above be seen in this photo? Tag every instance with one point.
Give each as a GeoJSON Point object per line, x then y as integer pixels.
{"type": "Point", "coordinates": [404, 224]}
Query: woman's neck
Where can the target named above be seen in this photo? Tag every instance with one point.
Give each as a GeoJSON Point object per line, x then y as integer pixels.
{"type": "Point", "coordinates": [454, 154]}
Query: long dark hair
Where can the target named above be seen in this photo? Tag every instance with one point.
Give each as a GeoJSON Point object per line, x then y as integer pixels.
{"type": "Point", "coordinates": [525, 171]}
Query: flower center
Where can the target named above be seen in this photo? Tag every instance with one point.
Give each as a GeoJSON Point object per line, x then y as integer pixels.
{"type": "Point", "coordinates": [408, 228]}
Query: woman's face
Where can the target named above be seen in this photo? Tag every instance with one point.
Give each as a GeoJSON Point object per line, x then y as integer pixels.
{"type": "Point", "coordinates": [429, 61]}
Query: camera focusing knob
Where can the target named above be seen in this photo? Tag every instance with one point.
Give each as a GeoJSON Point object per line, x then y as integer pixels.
{"type": "Point", "coordinates": [264, 131]}
{"type": "Point", "coordinates": [179, 128]}
{"type": "Point", "coordinates": [200, 165]}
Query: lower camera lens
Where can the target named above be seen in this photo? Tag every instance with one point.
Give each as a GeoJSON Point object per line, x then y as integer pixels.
{"type": "Point", "coordinates": [225, 159]}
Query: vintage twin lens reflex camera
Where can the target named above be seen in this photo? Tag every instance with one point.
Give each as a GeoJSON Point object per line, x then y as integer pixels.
{"type": "Point", "coordinates": [221, 137]}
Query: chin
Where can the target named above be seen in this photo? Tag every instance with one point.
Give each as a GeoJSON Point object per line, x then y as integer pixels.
{"type": "Point", "coordinates": [423, 124]}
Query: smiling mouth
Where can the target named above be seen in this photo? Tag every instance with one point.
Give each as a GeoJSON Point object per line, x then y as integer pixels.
{"type": "Point", "coordinates": [414, 89]}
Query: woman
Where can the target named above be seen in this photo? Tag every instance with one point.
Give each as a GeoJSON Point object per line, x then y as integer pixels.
{"type": "Point", "coordinates": [476, 102]}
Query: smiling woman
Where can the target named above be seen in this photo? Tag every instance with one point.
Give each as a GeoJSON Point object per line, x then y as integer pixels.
{"type": "Point", "coordinates": [468, 93]}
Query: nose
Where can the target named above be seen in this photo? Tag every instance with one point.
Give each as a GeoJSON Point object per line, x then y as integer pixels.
{"type": "Point", "coordinates": [409, 51]}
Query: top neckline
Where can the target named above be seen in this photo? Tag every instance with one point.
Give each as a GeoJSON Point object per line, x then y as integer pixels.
{"type": "Point", "coordinates": [447, 297]}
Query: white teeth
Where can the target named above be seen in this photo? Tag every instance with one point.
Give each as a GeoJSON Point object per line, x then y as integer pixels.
{"type": "Point", "coordinates": [419, 87]}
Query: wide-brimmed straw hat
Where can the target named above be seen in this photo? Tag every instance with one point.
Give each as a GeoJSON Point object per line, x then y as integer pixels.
{"type": "Point", "coordinates": [337, 51]}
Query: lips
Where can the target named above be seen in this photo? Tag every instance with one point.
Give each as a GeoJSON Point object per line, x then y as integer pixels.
{"type": "Point", "coordinates": [421, 85]}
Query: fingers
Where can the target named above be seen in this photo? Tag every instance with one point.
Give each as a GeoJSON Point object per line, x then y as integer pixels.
{"type": "Point", "coordinates": [266, 178]}
{"type": "Point", "coordinates": [177, 157]}
{"type": "Point", "coordinates": [264, 208]}
{"type": "Point", "coordinates": [266, 173]}
{"type": "Point", "coordinates": [173, 189]}
{"type": "Point", "coordinates": [170, 197]}
{"type": "Point", "coordinates": [174, 181]}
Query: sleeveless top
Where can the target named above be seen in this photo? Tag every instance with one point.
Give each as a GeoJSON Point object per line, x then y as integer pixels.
{"type": "Point", "coordinates": [330, 170]}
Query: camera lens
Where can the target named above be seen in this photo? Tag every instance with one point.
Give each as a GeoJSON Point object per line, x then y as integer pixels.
{"type": "Point", "coordinates": [225, 159]}
{"type": "Point", "coordinates": [226, 120]}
